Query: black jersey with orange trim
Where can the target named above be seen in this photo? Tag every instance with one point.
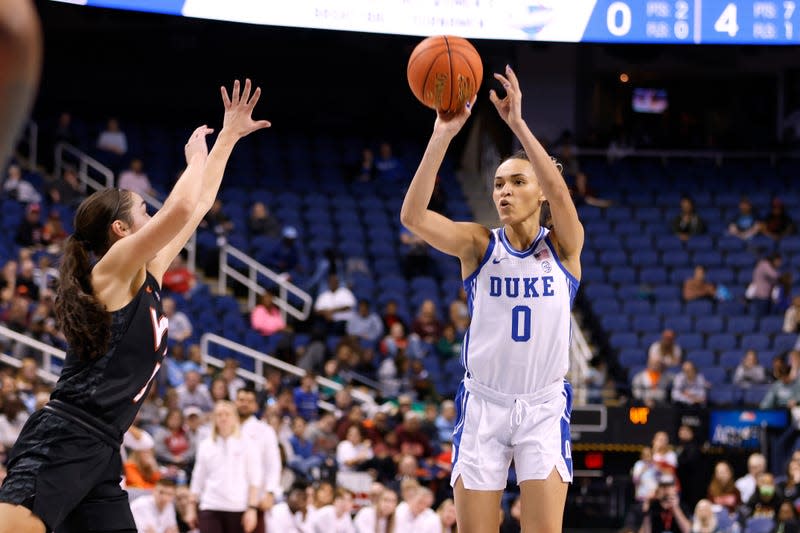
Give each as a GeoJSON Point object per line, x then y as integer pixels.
{"type": "Point", "coordinates": [110, 389]}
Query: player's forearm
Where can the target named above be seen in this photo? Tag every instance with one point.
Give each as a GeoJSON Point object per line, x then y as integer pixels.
{"type": "Point", "coordinates": [421, 189]}
{"type": "Point", "coordinates": [185, 194]}
{"type": "Point", "coordinates": [215, 166]}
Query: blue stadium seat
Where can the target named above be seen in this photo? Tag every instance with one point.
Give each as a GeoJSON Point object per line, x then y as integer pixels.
{"type": "Point", "coordinates": [723, 395]}
{"type": "Point", "coordinates": [646, 324]}
{"type": "Point", "coordinates": [701, 358]}
{"type": "Point", "coordinates": [765, 358]}
{"type": "Point", "coordinates": [622, 275]}
{"type": "Point", "coordinates": [690, 341]}
{"type": "Point", "coordinates": [730, 308]}
{"type": "Point", "coordinates": [669, 243]}
{"type": "Point", "coordinates": [708, 324]}
{"type": "Point", "coordinates": [740, 259]}
{"type": "Point", "coordinates": [649, 214]}
{"type": "Point", "coordinates": [667, 308]}
{"type": "Point", "coordinates": [614, 258]}
{"type": "Point", "coordinates": [700, 308]}
{"type": "Point", "coordinates": [708, 258]}
{"type": "Point", "coordinates": [616, 323]}
{"type": "Point", "coordinates": [675, 258]}
{"type": "Point", "coordinates": [598, 291]}
{"type": "Point", "coordinates": [770, 324]}
{"type": "Point", "coordinates": [700, 242]}
{"type": "Point", "coordinates": [666, 292]}
{"type": "Point", "coordinates": [593, 274]}
{"type": "Point", "coordinates": [679, 274]}
{"type": "Point", "coordinates": [720, 275]}
{"type": "Point", "coordinates": [644, 258]}
{"type": "Point", "coordinates": [721, 342]}
{"type": "Point", "coordinates": [630, 357]}
{"type": "Point", "coordinates": [638, 243]}
{"type": "Point", "coordinates": [759, 525]}
{"type": "Point", "coordinates": [624, 340]}
{"type": "Point", "coordinates": [741, 325]}
{"type": "Point", "coordinates": [679, 323]}
{"type": "Point", "coordinates": [754, 341]}
{"type": "Point", "coordinates": [714, 374]}
{"type": "Point", "coordinates": [784, 341]}
{"type": "Point", "coordinates": [637, 307]}
{"type": "Point", "coordinates": [653, 275]}
{"type": "Point", "coordinates": [606, 306]}
{"type": "Point", "coordinates": [730, 359]}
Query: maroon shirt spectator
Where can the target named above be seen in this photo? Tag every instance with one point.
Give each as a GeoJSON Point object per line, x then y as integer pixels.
{"type": "Point", "coordinates": [427, 325]}
{"type": "Point", "coordinates": [411, 439]}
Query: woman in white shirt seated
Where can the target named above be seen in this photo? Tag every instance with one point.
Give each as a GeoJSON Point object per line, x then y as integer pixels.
{"type": "Point", "coordinates": [352, 452]}
{"type": "Point", "coordinates": [378, 518]}
{"type": "Point", "coordinates": [227, 477]}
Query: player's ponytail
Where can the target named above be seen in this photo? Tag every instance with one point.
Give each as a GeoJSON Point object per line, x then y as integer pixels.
{"type": "Point", "coordinates": [83, 319]}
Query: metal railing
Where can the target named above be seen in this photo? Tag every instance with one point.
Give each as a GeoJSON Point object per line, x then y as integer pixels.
{"type": "Point", "coordinates": [579, 354]}
{"type": "Point", "coordinates": [260, 359]}
{"type": "Point", "coordinates": [66, 154]}
{"type": "Point", "coordinates": [48, 352]}
{"type": "Point", "coordinates": [254, 289]}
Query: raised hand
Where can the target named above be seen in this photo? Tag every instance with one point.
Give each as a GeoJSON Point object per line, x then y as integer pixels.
{"type": "Point", "coordinates": [196, 145]}
{"type": "Point", "coordinates": [239, 108]}
{"type": "Point", "coordinates": [510, 107]}
{"type": "Point", "coordinates": [451, 123]}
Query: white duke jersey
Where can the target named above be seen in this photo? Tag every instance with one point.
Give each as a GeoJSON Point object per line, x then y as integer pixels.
{"type": "Point", "coordinates": [520, 304]}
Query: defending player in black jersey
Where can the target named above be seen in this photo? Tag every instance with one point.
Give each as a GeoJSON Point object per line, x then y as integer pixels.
{"type": "Point", "coordinates": [64, 471]}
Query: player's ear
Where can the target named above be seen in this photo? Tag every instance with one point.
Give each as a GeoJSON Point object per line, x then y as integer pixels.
{"type": "Point", "coordinates": [118, 229]}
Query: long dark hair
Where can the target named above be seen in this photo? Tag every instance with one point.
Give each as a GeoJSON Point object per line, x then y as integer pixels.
{"type": "Point", "coordinates": [83, 319]}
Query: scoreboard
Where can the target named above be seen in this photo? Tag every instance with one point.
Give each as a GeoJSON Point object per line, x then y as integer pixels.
{"type": "Point", "coordinates": [771, 22]}
{"type": "Point", "coordinates": [694, 22]}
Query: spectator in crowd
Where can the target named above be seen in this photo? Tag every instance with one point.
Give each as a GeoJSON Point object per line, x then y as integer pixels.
{"type": "Point", "coordinates": [219, 390]}
{"type": "Point", "coordinates": [53, 233]}
{"type": "Point", "coordinates": [781, 296]}
{"type": "Point", "coordinates": [155, 513]}
{"type": "Point", "coordinates": [113, 140]}
{"type": "Point", "coordinates": [756, 465]}
{"type": "Point", "coordinates": [417, 515]}
{"type": "Point", "coordinates": [29, 232]}
{"type": "Point", "coordinates": [388, 167]}
{"type": "Point", "coordinates": [650, 386]}
{"type": "Point", "coordinates": [67, 190]}
{"type": "Point", "coordinates": [291, 514]}
{"type": "Point", "coordinates": [445, 422]}
{"type": "Point", "coordinates": [266, 317]}
{"type": "Point", "coordinates": [777, 223]}
{"type": "Point", "coordinates": [335, 306]}
{"type": "Point", "coordinates": [284, 256]}
{"type": "Point", "coordinates": [12, 417]}
{"type": "Point", "coordinates": [306, 396]}
{"type": "Point", "coordinates": [141, 469]}
{"type": "Point", "coordinates": [786, 521]}
{"type": "Point", "coordinates": [378, 517]}
{"type": "Point", "coordinates": [459, 313]}
{"type": "Point", "coordinates": [746, 224]}
{"type": "Point", "coordinates": [447, 516]}
{"type": "Point", "coordinates": [698, 286]}
{"type": "Point", "coordinates": [749, 371]}
{"type": "Point", "coordinates": [320, 496]}
{"type": "Point", "coordinates": [323, 436]}
{"type": "Point", "coordinates": [427, 324]}
{"type": "Point", "coordinates": [789, 488]}
{"type": "Point", "coordinates": [63, 131]}
{"type": "Point", "coordinates": [665, 512]}
{"type": "Point", "coordinates": [390, 315]}
{"type": "Point", "coordinates": [179, 279]}
{"type": "Point", "coordinates": [304, 461]}
{"type": "Point", "coordinates": [335, 517]}
{"type": "Point", "coordinates": [415, 254]}
{"type": "Point", "coordinates": [583, 194]}
{"type": "Point", "coordinates": [19, 189]}
{"type": "Point", "coordinates": [666, 349]}
{"type": "Point", "coordinates": [366, 325]}
{"type": "Point", "coordinates": [596, 380]}
{"type": "Point", "coordinates": [262, 223]}
{"type": "Point", "coordinates": [765, 500]}
{"type": "Point", "coordinates": [704, 519]}
{"type": "Point", "coordinates": [784, 392]}
{"type": "Point", "coordinates": [794, 364]}
{"type": "Point", "coordinates": [511, 521]}
{"type": "Point", "coordinates": [765, 277]}
{"type": "Point", "coordinates": [449, 344]}
{"type": "Point", "coordinates": [353, 451]}
{"type": "Point", "coordinates": [688, 223]}
{"type": "Point", "coordinates": [365, 170]}
{"type": "Point", "coordinates": [180, 328]}
{"type": "Point", "coordinates": [194, 392]}
{"type": "Point", "coordinates": [173, 445]}
{"type": "Point", "coordinates": [645, 481]}
{"type": "Point", "coordinates": [722, 489]}
{"type": "Point", "coordinates": [689, 387]}
{"type": "Point", "coordinates": [691, 470]}
{"type": "Point", "coordinates": [216, 220]}
{"type": "Point", "coordinates": [411, 439]}
{"type": "Point", "coordinates": [228, 476]}
{"type": "Point", "coordinates": [135, 179]}
{"type": "Point", "coordinates": [665, 459]}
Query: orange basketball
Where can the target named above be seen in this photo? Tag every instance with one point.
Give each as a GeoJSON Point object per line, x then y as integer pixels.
{"type": "Point", "coordinates": [444, 72]}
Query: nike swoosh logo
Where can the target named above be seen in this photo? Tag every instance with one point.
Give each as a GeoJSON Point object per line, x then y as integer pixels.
{"type": "Point", "coordinates": [495, 261]}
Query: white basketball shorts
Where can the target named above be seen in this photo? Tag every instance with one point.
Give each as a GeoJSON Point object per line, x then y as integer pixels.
{"type": "Point", "coordinates": [492, 428]}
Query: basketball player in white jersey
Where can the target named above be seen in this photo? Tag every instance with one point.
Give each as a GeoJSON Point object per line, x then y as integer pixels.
{"type": "Point", "coordinates": [514, 402]}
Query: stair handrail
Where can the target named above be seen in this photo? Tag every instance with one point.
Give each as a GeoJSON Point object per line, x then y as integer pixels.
{"type": "Point", "coordinates": [48, 351]}
{"type": "Point", "coordinates": [254, 289]}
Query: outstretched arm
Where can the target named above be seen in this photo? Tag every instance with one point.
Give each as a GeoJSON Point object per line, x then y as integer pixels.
{"type": "Point", "coordinates": [569, 230]}
{"type": "Point", "coordinates": [236, 124]}
{"type": "Point", "coordinates": [467, 241]}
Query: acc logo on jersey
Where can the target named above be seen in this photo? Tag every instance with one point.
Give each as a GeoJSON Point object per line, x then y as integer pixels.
{"type": "Point", "coordinates": [546, 266]}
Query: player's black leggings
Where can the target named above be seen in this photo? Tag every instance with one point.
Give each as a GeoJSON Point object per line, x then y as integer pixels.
{"type": "Point", "coordinates": [220, 522]}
